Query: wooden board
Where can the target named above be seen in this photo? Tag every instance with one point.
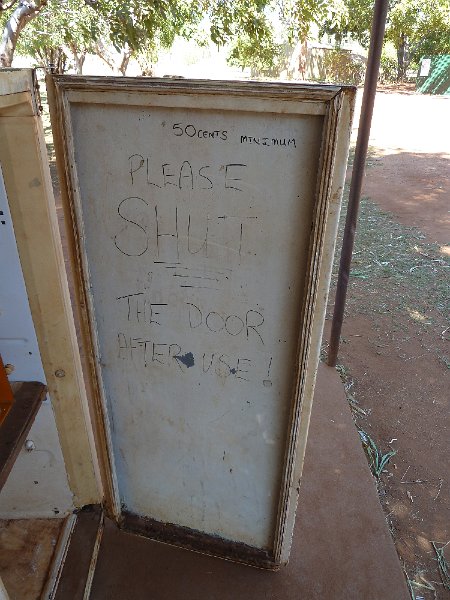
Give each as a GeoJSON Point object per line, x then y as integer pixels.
{"type": "Point", "coordinates": [27, 548]}
{"type": "Point", "coordinates": [21, 497]}
{"type": "Point", "coordinates": [200, 216]}
{"type": "Point", "coordinates": [28, 397]}
{"type": "Point", "coordinates": [33, 222]}
{"type": "Point", "coordinates": [78, 567]}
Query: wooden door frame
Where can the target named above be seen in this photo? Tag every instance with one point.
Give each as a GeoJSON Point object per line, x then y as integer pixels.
{"type": "Point", "coordinates": [26, 174]}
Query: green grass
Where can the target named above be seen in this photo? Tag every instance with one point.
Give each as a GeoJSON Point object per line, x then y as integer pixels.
{"type": "Point", "coordinates": [377, 460]}
{"type": "Point", "coordinates": [399, 280]}
{"type": "Point", "coordinates": [396, 269]}
{"type": "Point", "coordinates": [443, 566]}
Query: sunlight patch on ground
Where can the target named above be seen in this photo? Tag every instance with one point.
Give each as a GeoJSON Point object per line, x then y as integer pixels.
{"type": "Point", "coordinates": [408, 123]}
{"type": "Point", "coordinates": [416, 315]}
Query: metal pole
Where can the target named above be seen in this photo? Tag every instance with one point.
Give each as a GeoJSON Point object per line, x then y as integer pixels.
{"type": "Point", "coordinates": [362, 142]}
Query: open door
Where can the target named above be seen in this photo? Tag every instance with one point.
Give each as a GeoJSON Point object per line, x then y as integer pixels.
{"type": "Point", "coordinates": [203, 219]}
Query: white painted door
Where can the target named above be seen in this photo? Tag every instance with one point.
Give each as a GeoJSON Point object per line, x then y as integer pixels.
{"type": "Point", "coordinates": [197, 218]}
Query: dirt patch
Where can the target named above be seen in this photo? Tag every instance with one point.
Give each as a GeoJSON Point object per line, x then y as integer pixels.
{"type": "Point", "coordinates": [27, 547]}
{"type": "Point", "coordinates": [397, 88]}
{"type": "Point", "coordinates": [394, 355]}
{"type": "Point", "coordinates": [415, 188]}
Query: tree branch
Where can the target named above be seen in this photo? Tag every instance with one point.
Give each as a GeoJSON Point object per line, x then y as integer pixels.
{"type": "Point", "coordinates": [22, 15]}
{"type": "Point", "coordinates": [2, 7]}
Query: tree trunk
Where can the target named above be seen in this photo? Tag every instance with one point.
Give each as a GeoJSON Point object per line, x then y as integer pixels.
{"type": "Point", "coordinates": [112, 60]}
{"type": "Point", "coordinates": [303, 59]}
{"type": "Point", "coordinates": [126, 55]}
{"type": "Point", "coordinates": [79, 58]}
{"type": "Point", "coordinates": [79, 62]}
{"type": "Point", "coordinates": [401, 55]}
{"type": "Point", "coordinates": [104, 53]}
{"type": "Point", "coordinates": [59, 59]}
{"type": "Point", "coordinates": [24, 12]}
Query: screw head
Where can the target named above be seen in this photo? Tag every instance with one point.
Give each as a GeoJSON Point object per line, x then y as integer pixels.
{"type": "Point", "coordinates": [30, 445]}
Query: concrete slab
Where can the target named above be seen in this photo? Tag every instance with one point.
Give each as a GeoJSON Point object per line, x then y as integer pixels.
{"type": "Point", "coordinates": [342, 547]}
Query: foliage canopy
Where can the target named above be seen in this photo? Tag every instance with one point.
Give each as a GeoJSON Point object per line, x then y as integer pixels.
{"type": "Point", "coordinates": [53, 30]}
{"type": "Point", "coordinates": [141, 27]}
{"type": "Point", "coordinates": [416, 28]}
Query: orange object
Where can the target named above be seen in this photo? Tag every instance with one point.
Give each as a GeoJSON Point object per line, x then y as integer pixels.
{"type": "Point", "coordinates": [6, 395]}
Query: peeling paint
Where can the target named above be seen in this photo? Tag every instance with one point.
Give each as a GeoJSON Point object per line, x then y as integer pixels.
{"type": "Point", "coordinates": [187, 359]}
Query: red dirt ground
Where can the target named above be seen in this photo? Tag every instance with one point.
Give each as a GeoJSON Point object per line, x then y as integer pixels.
{"type": "Point", "coordinates": [393, 361]}
{"type": "Point", "coordinates": [415, 188]}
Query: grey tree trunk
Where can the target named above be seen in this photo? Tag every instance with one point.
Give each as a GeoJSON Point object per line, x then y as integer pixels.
{"type": "Point", "coordinates": [104, 53]}
{"type": "Point", "coordinates": [126, 55]}
{"type": "Point", "coordinates": [24, 12]}
{"type": "Point", "coordinates": [112, 60]}
{"type": "Point", "coordinates": [402, 58]}
{"type": "Point", "coordinates": [79, 58]}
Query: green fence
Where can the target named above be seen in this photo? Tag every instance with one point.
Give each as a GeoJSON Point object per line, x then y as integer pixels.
{"type": "Point", "coordinates": [436, 78]}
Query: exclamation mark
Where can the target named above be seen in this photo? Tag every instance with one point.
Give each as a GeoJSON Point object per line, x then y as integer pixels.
{"type": "Point", "coordinates": [267, 382]}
